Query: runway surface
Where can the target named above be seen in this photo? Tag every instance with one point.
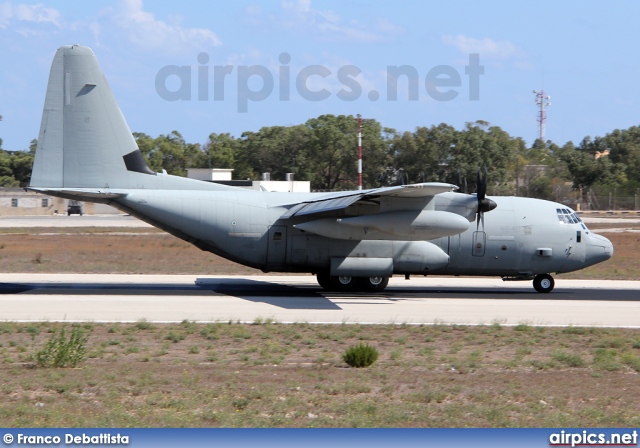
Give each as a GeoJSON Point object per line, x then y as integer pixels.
{"type": "Point", "coordinates": [129, 298]}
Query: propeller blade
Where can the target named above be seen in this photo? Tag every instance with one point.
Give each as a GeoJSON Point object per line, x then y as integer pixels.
{"type": "Point", "coordinates": [462, 182]}
{"type": "Point", "coordinates": [481, 184]}
{"type": "Point", "coordinates": [484, 204]}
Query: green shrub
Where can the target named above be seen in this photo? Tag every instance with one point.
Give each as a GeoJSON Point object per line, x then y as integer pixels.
{"type": "Point", "coordinates": [631, 360]}
{"type": "Point", "coordinates": [568, 359]}
{"type": "Point", "coordinates": [62, 352]}
{"type": "Point", "coordinates": [143, 324]}
{"type": "Point", "coordinates": [360, 355]}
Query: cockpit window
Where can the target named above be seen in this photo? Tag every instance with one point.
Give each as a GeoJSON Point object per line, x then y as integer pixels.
{"type": "Point", "coordinates": [567, 216]}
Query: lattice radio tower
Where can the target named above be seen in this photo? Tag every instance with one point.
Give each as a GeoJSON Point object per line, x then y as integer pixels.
{"type": "Point", "coordinates": [359, 152]}
{"type": "Point", "coordinates": [542, 102]}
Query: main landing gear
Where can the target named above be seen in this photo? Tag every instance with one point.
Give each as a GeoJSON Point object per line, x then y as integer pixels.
{"type": "Point", "coordinates": [543, 283]}
{"type": "Point", "coordinates": [352, 284]}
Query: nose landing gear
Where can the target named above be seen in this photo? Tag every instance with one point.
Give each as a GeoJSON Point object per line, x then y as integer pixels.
{"type": "Point", "coordinates": [543, 283]}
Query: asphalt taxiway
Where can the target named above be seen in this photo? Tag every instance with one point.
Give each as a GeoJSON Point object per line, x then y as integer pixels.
{"type": "Point", "coordinates": [430, 300]}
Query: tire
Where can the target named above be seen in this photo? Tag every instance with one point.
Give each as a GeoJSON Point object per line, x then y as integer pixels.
{"type": "Point", "coordinates": [543, 283]}
{"type": "Point", "coordinates": [324, 280]}
{"type": "Point", "coordinates": [343, 283]}
{"type": "Point", "coordinates": [373, 284]}
{"type": "Point", "coordinates": [339, 284]}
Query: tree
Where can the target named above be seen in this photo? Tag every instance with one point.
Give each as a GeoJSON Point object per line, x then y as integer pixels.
{"type": "Point", "coordinates": [21, 166]}
{"type": "Point", "coordinates": [333, 143]}
{"type": "Point", "coordinates": [624, 148]}
{"type": "Point", "coordinates": [277, 150]}
{"type": "Point", "coordinates": [219, 152]}
{"type": "Point", "coordinates": [426, 154]}
{"type": "Point", "coordinates": [480, 145]}
{"type": "Point", "coordinates": [586, 171]}
{"type": "Point", "coordinates": [169, 152]}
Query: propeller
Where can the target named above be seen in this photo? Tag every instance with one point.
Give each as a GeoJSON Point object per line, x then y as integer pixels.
{"type": "Point", "coordinates": [403, 178]}
{"type": "Point", "coordinates": [462, 183]}
{"type": "Point", "coordinates": [484, 204]}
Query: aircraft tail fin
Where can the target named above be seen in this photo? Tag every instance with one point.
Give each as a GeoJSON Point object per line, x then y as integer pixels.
{"type": "Point", "coordinates": [84, 140]}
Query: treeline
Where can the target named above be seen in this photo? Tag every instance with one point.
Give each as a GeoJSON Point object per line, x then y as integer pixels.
{"type": "Point", "coordinates": [323, 151]}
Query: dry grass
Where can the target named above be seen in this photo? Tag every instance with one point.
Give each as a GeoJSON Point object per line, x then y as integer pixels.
{"type": "Point", "coordinates": [275, 375]}
{"type": "Point", "coordinates": [107, 251]}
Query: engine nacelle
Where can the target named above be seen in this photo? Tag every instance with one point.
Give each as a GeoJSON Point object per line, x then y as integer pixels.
{"type": "Point", "coordinates": [397, 225]}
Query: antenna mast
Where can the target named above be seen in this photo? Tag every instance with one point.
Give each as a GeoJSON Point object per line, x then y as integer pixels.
{"type": "Point", "coordinates": [542, 102]}
{"type": "Point", "coordinates": [359, 152]}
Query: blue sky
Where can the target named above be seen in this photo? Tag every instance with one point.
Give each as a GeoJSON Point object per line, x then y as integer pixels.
{"type": "Point", "coordinates": [582, 53]}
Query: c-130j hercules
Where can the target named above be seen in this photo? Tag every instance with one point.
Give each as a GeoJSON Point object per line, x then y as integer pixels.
{"type": "Point", "coordinates": [351, 240]}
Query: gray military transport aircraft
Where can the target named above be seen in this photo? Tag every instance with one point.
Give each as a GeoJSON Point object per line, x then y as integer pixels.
{"type": "Point", "coordinates": [351, 240]}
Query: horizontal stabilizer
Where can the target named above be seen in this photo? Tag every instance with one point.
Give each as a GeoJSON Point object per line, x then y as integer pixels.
{"type": "Point", "coordinates": [82, 194]}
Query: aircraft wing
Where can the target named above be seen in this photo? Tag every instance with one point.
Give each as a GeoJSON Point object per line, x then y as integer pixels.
{"type": "Point", "coordinates": [332, 202]}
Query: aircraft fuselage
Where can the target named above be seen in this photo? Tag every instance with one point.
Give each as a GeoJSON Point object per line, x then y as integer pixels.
{"type": "Point", "coordinates": [521, 238]}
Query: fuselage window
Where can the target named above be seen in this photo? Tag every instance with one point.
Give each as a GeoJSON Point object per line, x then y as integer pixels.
{"type": "Point", "coordinates": [578, 236]}
{"type": "Point", "coordinates": [277, 236]}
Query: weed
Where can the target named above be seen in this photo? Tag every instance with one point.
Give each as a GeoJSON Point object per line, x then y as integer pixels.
{"type": "Point", "coordinates": [32, 329]}
{"type": "Point", "coordinates": [142, 324]}
{"type": "Point", "coordinates": [241, 333]}
{"type": "Point", "coordinates": [606, 359]}
{"type": "Point", "coordinates": [576, 330]}
{"type": "Point", "coordinates": [568, 359]}
{"type": "Point", "coordinates": [616, 342]}
{"type": "Point", "coordinates": [62, 352]}
{"type": "Point", "coordinates": [526, 328]}
{"type": "Point", "coordinates": [360, 355]}
{"type": "Point", "coordinates": [632, 360]}
{"type": "Point", "coordinates": [395, 354]}
{"type": "Point", "coordinates": [401, 340]}
{"type": "Point", "coordinates": [190, 326]}
{"type": "Point", "coordinates": [174, 337]}
{"type": "Point", "coordinates": [210, 331]}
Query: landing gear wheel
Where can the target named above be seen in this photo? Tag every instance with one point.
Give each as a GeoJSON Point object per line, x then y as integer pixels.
{"type": "Point", "coordinates": [324, 280]}
{"type": "Point", "coordinates": [543, 283]}
{"type": "Point", "coordinates": [373, 284]}
{"type": "Point", "coordinates": [332, 283]}
{"type": "Point", "coordinates": [343, 283]}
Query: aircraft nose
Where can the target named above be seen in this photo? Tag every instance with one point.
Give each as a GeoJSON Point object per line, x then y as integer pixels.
{"type": "Point", "coordinates": [599, 249]}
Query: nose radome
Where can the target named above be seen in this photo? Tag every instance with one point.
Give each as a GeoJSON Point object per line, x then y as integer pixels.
{"type": "Point", "coordinates": [599, 248]}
